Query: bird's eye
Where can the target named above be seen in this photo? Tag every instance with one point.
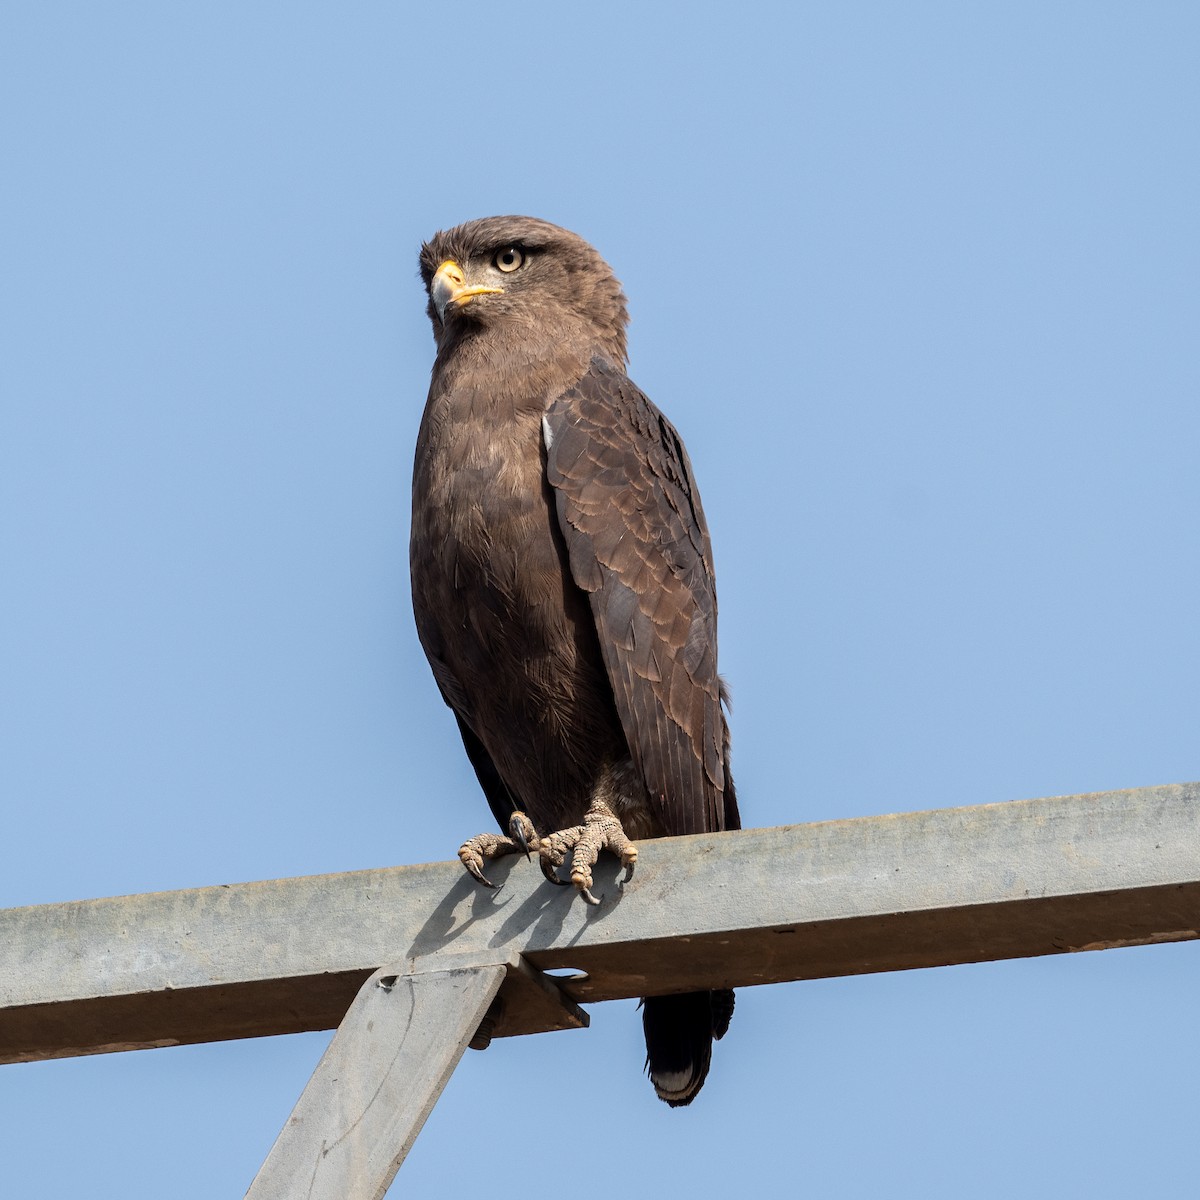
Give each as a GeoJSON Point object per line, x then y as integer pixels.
{"type": "Point", "coordinates": [509, 259]}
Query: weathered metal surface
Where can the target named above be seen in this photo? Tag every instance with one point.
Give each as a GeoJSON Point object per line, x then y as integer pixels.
{"type": "Point", "coordinates": [758, 906]}
{"type": "Point", "coordinates": [376, 1084]}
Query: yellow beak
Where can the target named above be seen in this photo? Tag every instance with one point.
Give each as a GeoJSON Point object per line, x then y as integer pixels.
{"type": "Point", "coordinates": [449, 286]}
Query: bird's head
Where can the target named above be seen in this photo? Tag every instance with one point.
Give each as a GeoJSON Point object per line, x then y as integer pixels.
{"type": "Point", "coordinates": [525, 279]}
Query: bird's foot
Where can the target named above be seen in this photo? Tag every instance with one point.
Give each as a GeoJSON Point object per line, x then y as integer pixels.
{"type": "Point", "coordinates": [601, 830]}
{"type": "Point", "coordinates": [475, 852]}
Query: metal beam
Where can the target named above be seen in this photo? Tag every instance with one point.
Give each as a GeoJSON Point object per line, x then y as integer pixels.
{"type": "Point", "coordinates": [375, 1085]}
{"type": "Point", "coordinates": [760, 906]}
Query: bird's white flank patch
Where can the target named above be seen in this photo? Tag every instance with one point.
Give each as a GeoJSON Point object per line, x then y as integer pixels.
{"type": "Point", "coordinates": [546, 434]}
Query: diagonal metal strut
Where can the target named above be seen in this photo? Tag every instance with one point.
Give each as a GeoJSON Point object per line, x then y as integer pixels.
{"type": "Point", "coordinates": [378, 1081]}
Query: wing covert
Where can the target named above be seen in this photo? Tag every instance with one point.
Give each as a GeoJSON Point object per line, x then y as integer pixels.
{"type": "Point", "coordinates": [639, 547]}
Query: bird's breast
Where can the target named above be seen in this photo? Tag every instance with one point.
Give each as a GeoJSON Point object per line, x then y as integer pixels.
{"type": "Point", "coordinates": [479, 492]}
{"type": "Point", "coordinates": [489, 565]}
{"type": "Point", "coordinates": [511, 635]}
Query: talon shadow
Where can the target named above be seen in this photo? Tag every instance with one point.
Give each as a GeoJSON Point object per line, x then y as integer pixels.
{"type": "Point", "coordinates": [444, 924]}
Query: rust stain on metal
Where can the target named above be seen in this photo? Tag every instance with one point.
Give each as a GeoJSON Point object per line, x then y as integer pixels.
{"type": "Point", "coordinates": [1154, 939]}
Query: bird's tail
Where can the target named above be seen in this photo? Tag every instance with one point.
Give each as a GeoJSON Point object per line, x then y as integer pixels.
{"type": "Point", "coordinates": [679, 1037]}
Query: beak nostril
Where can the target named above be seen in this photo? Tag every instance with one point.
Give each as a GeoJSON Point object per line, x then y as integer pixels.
{"type": "Point", "coordinates": [449, 286]}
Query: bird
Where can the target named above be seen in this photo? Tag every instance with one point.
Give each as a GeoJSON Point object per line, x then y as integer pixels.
{"type": "Point", "coordinates": [562, 582]}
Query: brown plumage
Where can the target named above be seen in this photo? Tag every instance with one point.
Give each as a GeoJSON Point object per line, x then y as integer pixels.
{"type": "Point", "coordinates": [563, 583]}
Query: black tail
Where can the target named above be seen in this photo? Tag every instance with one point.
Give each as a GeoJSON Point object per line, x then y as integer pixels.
{"type": "Point", "coordinates": [679, 1038]}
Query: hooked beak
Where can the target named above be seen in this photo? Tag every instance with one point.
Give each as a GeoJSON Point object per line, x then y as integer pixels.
{"type": "Point", "coordinates": [449, 286]}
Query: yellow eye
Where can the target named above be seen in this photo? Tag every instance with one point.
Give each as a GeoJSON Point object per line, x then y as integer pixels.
{"type": "Point", "coordinates": [508, 260]}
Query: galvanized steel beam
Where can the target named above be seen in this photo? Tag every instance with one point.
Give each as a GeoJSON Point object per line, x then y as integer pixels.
{"type": "Point", "coordinates": [759, 906]}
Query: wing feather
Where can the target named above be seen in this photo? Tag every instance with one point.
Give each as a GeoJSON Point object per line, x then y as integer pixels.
{"type": "Point", "coordinates": [639, 547]}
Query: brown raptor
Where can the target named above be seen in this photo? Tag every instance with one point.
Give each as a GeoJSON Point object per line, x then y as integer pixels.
{"type": "Point", "coordinates": [562, 581]}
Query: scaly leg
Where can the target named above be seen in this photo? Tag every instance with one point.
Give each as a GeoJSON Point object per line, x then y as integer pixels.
{"type": "Point", "coordinates": [523, 838]}
{"type": "Point", "coordinates": [601, 830]}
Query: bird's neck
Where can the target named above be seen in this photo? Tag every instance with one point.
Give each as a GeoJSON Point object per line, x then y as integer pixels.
{"type": "Point", "coordinates": [537, 360]}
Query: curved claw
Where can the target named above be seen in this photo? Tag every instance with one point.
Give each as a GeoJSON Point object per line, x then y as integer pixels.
{"type": "Point", "coordinates": [521, 830]}
{"type": "Point", "coordinates": [551, 873]}
{"type": "Point", "coordinates": [588, 896]}
{"type": "Point", "coordinates": [476, 851]}
{"type": "Point", "coordinates": [478, 875]}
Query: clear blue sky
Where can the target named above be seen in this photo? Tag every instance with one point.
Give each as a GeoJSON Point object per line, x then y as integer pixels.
{"type": "Point", "coordinates": [918, 284]}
